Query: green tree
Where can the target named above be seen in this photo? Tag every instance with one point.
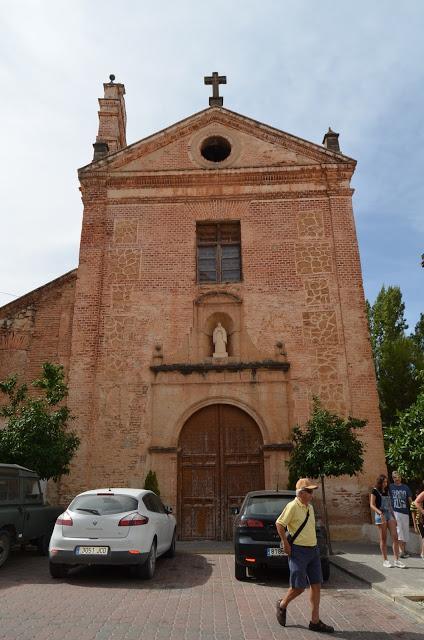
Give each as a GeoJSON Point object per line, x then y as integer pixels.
{"type": "Point", "coordinates": [398, 358]}
{"type": "Point", "coordinates": [418, 335]}
{"type": "Point", "coordinates": [399, 377]}
{"type": "Point", "coordinates": [151, 482]}
{"type": "Point", "coordinates": [405, 441]}
{"type": "Point", "coordinates": [368, 310]}
{"type": "Point", "coordinates": [35, 434]}
{"type": "Point", "coordinates": [328, 446]}
{"type": "Point", "coordinates": [386, 320]}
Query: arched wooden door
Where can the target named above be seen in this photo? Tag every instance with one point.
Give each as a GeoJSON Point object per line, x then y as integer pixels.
{"type": "Point", "coordinates": [220, 459]}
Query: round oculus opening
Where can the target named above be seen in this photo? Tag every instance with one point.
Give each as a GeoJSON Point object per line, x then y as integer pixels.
{"type": "Point", "coordinates": [215, 149]}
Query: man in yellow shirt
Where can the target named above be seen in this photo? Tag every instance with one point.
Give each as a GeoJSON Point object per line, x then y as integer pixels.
{"type": "Point", "coordinates": [301, 547]}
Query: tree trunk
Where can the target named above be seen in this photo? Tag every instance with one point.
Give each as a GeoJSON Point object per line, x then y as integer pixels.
{"type": "Point", "coordinates": [327, 524]}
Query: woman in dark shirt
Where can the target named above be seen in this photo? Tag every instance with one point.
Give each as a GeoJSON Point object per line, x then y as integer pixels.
{"type": "Point", "coordinates": [385, 519]}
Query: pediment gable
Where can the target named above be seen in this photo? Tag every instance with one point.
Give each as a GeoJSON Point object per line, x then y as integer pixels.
{"type": "Point", "coordinates": [253, 144]}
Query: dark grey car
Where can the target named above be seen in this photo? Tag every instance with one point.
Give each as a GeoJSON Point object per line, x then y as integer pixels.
{"type": "Point", "coordinates": [256, 541]}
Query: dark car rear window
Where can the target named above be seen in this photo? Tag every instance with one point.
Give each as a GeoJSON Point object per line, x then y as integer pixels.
{"type": "Point", "coordinates": [9, 489]}
{"type": "Point", "coordinates": [266, 505]}
{"type": "Point", "coordinates": [104, 505]}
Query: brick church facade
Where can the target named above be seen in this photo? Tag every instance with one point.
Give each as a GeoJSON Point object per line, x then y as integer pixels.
{"type": "Point", "coordinates": [218, 220]}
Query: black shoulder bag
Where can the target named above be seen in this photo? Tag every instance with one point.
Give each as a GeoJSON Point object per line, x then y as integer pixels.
{"type": "Point", "coordinates": [292, 538]}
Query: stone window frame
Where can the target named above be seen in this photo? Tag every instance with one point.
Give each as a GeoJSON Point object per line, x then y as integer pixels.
{"type": "Point", "coordinates": [214, 130]}
{"type": "Point", "coordinates": [219, 235]}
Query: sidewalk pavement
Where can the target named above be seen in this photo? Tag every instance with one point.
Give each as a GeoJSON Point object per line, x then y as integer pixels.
{"type": "Point", "coordinates": [364, 561]}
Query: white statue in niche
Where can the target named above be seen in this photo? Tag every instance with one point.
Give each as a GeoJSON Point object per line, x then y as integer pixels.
{"type": "Point", "coordinates": [220, 342]}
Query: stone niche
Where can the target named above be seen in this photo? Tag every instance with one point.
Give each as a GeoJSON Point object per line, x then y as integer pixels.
{"type": "Point", "coordinates": [209, 309]}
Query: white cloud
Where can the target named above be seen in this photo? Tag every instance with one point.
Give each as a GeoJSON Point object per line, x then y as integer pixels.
{"type": "Point", "coordinates": [297, 65]}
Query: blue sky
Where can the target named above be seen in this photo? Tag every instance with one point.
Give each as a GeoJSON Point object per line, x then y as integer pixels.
{"type": "Point", "coordinates": [298, 65]}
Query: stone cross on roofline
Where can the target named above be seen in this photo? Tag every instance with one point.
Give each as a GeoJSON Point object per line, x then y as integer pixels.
{"type": "Point", "coordinates": [215, 80]}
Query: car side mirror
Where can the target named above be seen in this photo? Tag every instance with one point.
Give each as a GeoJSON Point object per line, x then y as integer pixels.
{"type": "Point", "coordinates": [168, 510]}
{"type": "Point", "coordinates": [234, 511]}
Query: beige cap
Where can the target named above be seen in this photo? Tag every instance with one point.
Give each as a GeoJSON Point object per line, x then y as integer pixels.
{"type": "Point", "coordinates": [305, 483]}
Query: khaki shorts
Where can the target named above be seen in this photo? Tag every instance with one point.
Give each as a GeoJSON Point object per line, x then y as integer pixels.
{"type": "Point", "coordinates": [402, 523]}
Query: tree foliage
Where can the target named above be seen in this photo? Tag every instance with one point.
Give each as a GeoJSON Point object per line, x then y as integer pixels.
{"type": "Point", "coordinates": [398, 358]}
{"type": "Point", "coordinates": [35, 434]}
{"type": "Point", "coordinates": [386, 320]}
{"type": "Point", "coordinates": [151, 482]}
{"type": "Point", "coordinates": [418, 335]}
{"type": "Point", "coordinates": [327, 446]}
{"type": "Point", "coordinates": [399, 377]}
{"type": "Point", "coordinates": [405, 441]}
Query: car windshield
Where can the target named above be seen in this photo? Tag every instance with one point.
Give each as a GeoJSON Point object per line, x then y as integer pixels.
{"type": "Point", "coordinates": [103, 505]}
{"type": "Point", "coordinates": [266, 505]}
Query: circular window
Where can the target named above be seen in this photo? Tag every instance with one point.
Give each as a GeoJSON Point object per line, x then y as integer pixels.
{"type": "Point", "coordinates": [215, 149]}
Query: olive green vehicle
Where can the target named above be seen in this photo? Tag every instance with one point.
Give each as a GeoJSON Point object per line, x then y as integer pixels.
{"type": "Point", "coordinates": [24, 517]}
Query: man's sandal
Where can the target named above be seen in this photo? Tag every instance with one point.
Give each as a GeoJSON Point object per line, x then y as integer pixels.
{"type": "Point", "coordinates": [281, 614]}
{"type": "Point", "coordinates": [320, 626]}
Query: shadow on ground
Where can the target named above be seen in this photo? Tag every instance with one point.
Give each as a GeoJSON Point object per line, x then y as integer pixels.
{"type": "Point", "coordinates": [27, 567]}
{"type": "Point", "coordinates": [376, 635]}
{"type": "Point", "coordinates": [280, 578]}
{"type": "Point", "coordinates": [365, 635]}
{"type": "Point", "coordinates": [359, 569]}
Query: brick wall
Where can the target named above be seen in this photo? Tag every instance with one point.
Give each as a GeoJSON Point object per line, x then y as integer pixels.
{"type": "Point", "coordinates": [137, 302]}
{"type": "Point", "coordinates": [36, 328]}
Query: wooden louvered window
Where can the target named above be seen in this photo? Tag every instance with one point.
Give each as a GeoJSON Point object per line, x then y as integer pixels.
{"type": "Point", "coordinates": [218, 252]}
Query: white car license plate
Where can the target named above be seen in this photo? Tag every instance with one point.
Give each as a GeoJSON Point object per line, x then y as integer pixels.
{"type": "Point", "coordinates": [92, 551]}
{"type": "Point", "coordinates": [275, 551]}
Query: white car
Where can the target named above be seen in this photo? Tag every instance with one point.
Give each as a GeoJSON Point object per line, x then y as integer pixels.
{"type": "Point", "coordinates": [113, 526]}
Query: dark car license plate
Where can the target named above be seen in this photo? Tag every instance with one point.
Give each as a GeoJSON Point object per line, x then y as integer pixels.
{"type": "Point", "coordinates": [275, 552]}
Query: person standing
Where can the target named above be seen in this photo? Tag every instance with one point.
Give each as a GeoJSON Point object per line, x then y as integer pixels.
{"type": "Point", "coordinates": [417, 508]}
{"type": "Point", "coordinates": [384, 519]}
{"type": "Point", "coordinates": [401, 497]}
{"type": "Point", "coordinates": [304, 559]}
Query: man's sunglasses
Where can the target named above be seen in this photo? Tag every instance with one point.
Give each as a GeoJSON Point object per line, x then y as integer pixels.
{"type": "Point", "coordinates": [308, 490]}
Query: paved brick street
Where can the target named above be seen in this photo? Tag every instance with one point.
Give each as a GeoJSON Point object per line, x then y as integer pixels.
{"type": "Point", "coordinates": [192, 597]}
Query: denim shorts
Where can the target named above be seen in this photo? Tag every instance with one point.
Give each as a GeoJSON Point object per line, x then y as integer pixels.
{"type": "Point", "coordinates": [305, 567]}
{"type": "Point", "coordinates": [387, 514]}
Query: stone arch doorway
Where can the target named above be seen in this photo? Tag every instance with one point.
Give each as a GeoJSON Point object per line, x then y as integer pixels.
{"type": "Point", "coordinates": [220, 459]}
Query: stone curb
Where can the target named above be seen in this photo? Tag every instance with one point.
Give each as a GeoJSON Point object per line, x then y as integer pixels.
{"type": "Point", "coordinates": [401, 600]}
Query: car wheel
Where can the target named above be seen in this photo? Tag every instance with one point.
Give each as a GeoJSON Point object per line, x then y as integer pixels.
{"type": "Point", "coordinates": [58, 570]}
{"type": "Point", "coordinates": [43, 545]}
{"type": "Point", "coordinates": [5, 544]}
{"type": "Point", "coordinates": [239, 571]}
{"type": "Point", "coordinates": [325, 568]}
{"type": "Point", "coordinates": [171, 551]}
{"type": "Point", "coordinates": [147, 569]}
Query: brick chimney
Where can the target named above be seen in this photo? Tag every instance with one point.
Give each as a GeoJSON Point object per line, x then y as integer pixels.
{"type": "Point", "coordinates": [331, 140]}
{"type": "Point", "coordinates": [112, 120]}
